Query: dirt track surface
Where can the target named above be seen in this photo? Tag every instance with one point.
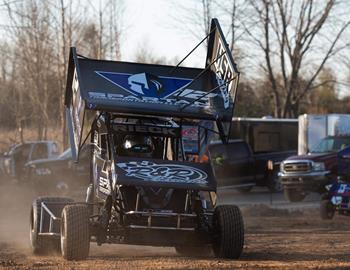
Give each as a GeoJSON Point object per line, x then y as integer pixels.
{"type": "Point", "coordinates": [275, 239]}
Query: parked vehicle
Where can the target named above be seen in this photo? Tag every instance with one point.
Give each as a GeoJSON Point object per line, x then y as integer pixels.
{"type": "Point", "coordinates": [236, 166]}
{"type": "Point", "coordinates": [266, 135]}
{"type": "Point", "coordinates": [312, 172]}
{"type": "Point", "coordinates": [59, 174]}
{"type": "Point", "coordinates": [314, 127]}
{"type": "Point", "coordinates": [15, 160]}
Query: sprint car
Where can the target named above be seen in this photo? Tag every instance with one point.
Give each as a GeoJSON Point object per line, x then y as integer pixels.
{"type": "Point", "coordinates": [336, 199]}
{"type": "Point", "coordinates": [142, 189]}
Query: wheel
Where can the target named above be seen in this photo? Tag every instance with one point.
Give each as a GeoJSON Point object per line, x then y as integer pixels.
{"type": "Point", "coordinates": [41, 244]}
{"type": "Point", "coordinates": [274, 184]}
{"type": "Point", "coordinates": [294, 195]}
{"type": "Point", "coordinates": [244, 189]}
{"type": "Point", "coordinates": [192, 251]}
{"type": "Point", "coordinates": [228, 232]}
{"type": "Point", "coordinates": [327, 210]}
{"type": "Point", "coordinates": [75, 236]}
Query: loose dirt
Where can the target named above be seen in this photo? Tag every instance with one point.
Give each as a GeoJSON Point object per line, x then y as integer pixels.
{"type": "Point", "coordinates": [275, 239]}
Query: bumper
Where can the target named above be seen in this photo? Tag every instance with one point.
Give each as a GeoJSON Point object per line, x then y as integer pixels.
{"type": "Point", "coordinates": [312, 181]}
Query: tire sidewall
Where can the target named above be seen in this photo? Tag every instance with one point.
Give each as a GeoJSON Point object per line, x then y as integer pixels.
{"type": "Point", "coordinates": [34, 228]}
{"type": "Point", "coordinates": [63, 237]}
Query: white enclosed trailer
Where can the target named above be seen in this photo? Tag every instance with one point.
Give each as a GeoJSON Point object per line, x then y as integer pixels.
{"type": "Point", "coordinates": [314, 127]}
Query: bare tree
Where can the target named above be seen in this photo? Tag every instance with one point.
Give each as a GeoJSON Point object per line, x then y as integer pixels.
{"type": "Point", "coordinates": [195, 17]}
{"type": "Point", "coordinates": [33, 56]}
{"type": "Point", "coordinates": [297, 39]}
{"type": "Point", "coordinates": [147, 56]}
{"type": "Point", "coordinates": [235, 20]}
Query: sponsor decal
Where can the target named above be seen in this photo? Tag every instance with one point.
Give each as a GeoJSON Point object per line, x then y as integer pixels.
{"type": "Point", "coordinates": [76, 109]}
{"type": "Point", "coordinates": [173, 173]}
{"type": "Point", "coordinates": [224, 73]}
{"type": "Point", "coordinates": [343, 188]}
{"type": "Point", "coordinates": [104, 185]}
{"type": "Point", "coordinates": [190, 133]}
{"type": "Point", "coordinates": [147, 88]}
{"type": "Point", "coordinates": [147, 129]}
{"type": "Point", "coordinates": [145, 84]}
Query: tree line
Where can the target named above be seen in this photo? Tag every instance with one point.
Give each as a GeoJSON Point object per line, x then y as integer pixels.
{"type": "Point", "coordinates": [34, 56]}
{"type": "Point", "coordinates": [288, 53]}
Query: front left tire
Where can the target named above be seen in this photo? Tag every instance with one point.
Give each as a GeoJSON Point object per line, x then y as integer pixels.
{"type": "Point", "coordinates": [228, 232]}
{"type": "Point", "coordinates": [75, 235]}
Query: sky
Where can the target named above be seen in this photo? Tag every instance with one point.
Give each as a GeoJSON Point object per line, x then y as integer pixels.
{"type": "Point", "coordinates": [158, 25]}
{"type": "Point", "coordinates": [152, 23]}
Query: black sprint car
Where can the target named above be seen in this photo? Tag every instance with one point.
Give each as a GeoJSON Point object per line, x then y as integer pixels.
{"type": "Point", "coordinates": [142, 190]}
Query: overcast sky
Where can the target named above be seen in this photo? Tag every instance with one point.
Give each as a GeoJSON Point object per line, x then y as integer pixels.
{"type": "Point", "coordinates": [158, 25]}
{"type": "Point", "coordinates": [153, 22]}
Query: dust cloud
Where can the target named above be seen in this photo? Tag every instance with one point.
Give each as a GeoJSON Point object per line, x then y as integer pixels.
{"type": "Point", "coordinates": [15, 203]}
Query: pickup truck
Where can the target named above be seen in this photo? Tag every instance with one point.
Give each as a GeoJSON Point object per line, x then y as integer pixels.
{"type": "Point", "coordinates": [237, 167]}
{"type": "Point", "coordinates": [59, 174]}
{"type": "Point", "coordinates": [13, 162]}
{"type": "Point", "coordinates": [303, 174]}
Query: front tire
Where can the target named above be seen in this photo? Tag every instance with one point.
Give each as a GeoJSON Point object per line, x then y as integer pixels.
{"type": "Point", "coordinates": [43, 244]}
{"type": "Point", "coordinates": [228, 232]}
{"type": "Point", "coordinates": [75, 235]}
{"type": "Point", "coordinates": [294, 195]}
{"type": "Point", "coordinates": [327, 210]}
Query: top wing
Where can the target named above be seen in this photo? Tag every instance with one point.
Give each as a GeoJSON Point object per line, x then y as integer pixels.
{"type": "Point", "coordinates": [144, 89]}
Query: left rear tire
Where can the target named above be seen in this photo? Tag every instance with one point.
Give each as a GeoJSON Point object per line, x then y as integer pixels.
{"type": "Point", "coordinates": [43, 244]}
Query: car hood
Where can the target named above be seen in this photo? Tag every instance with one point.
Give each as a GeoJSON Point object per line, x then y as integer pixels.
{"type": "Point", "coordinates": [43, 161]}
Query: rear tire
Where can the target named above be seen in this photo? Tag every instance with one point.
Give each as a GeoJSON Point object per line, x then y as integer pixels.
{"type": "Point", "coordinates": [228, 232]}
{"type": "Point", "coordinates": [327, 210]}
{"type": "Point", "coordinates": [294, 195]}
{"type": "Point", "coordinates": [40, 244]}
{"type": "Point", "coordinates": [75, 235]}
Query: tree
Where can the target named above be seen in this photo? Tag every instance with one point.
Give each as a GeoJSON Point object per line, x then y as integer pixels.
{"type": "Point", "coordinates": [288, 34]}
{"type": "Point", "coordinates": [324, 98]}
{"type": "Point", "coordinates": [147, 56]}
{"type": "Point", "coordinates": [35, 70]}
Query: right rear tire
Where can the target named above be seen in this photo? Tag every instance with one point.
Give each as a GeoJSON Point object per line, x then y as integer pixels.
{"type": "Point", "coordinates": [75, 235]}
{"type": "Point", "coordinates": [294, 195]}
